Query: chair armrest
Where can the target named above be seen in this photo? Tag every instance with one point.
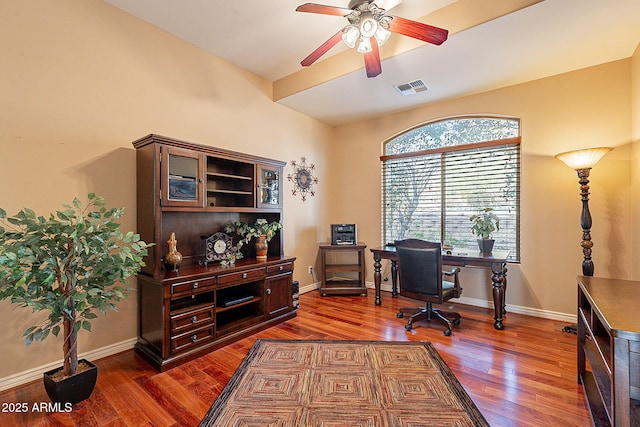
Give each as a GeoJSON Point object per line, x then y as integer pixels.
{"type": "Point", "coordinates": [457, 289]}
{"type": "Point", "coordinates": [453, 272]}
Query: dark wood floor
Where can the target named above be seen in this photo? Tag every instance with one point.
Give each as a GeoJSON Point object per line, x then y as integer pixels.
{"type": "Point", "coordinates": [522, 376]}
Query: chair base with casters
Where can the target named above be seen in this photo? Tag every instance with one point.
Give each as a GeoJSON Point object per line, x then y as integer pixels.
{"type": "Point", "coordinates": [448, 318]}
{"type": "Point", "coordinates": [422, 278]}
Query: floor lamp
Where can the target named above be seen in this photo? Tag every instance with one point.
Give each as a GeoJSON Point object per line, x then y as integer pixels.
{"type": "Point", "coordinates": [582, 161]}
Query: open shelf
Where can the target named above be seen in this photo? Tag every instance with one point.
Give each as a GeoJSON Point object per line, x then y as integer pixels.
{"type": "Point", "coordinates": [342, 269]}
{"type": "Point", "coordinates": [253, 300]}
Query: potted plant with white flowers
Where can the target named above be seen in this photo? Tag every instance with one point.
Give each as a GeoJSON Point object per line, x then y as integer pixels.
{"type": "Point", "coordinates": [485, 223]}
{"type": "Point", "coordinates": [70, 264]}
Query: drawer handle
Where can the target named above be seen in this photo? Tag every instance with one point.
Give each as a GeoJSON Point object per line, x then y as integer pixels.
{"type": "Point", "coordinates": [244, 275]}
{"type": "Point", "coordinates": [281, 267]}
{"type": "Point", "coordinates": [194, 319]}
{"type": "Point", "coordinates": [195, 285]}
{"type": "Point", "coordinates": [194, 338]}
{"type": "Point", "coordinates": [268, 291]}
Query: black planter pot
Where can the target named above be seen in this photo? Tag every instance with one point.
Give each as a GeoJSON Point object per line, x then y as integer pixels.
{"type": "Point", "coordinates": [73, 389]}
{"type": "Point", "coordinates": [486, 245]}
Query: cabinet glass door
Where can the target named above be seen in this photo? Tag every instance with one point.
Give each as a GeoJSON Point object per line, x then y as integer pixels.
{"type": "Point", "coordinates": [269, 182]}
{"type": "Point", "coordinates": [181, 178]}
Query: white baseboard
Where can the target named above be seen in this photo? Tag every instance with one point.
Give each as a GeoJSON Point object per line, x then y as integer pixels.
{"type": "Point", "coordinates": [528, 311]}
{"type": "Point", "coordinates": [309, 288]}
{"type": "Point", "coordinates": [37, 372]}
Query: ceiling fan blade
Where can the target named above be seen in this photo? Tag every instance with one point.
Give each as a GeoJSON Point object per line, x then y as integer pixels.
{"type": "Point", "coordinates": [323, 9]}
{"type": "Point", "coordinates": [372, 60]}
{"type": "Point", "coordinates": [418, 30]}
{"type": "Point", "coordinates": [324, 48]}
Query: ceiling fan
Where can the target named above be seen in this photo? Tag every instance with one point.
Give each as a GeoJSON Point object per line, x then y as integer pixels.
{"type": "Point", "coordinates": [369, 27]}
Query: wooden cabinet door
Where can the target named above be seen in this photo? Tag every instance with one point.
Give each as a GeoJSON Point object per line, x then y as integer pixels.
{"type": "Point", "coordinates": [278, 293]}
{"type": "Point", "coordinates": [181, 178]}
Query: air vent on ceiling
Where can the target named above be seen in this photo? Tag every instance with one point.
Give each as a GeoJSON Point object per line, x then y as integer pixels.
{"type": "Point", "coordinates": [410, 88]}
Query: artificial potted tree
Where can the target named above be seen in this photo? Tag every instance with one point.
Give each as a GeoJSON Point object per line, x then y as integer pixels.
{"type": "Point", "coordinates": [71, 264]}
{"type": "Point", "coordinates": [485, 223]}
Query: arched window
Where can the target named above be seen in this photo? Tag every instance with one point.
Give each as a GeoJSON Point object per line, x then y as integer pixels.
{"type": "Point", "coordinates": [439, 174]}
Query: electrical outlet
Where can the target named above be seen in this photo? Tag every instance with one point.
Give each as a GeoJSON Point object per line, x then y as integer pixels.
{"type": "Point", "coordinates": [310, 269]}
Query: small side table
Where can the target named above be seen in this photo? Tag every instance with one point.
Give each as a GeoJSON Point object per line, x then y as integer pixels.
{"type": "Point", "coordinates": [342, 269]}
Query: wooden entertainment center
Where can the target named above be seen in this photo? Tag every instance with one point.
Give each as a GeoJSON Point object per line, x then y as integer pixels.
{"type": "Point", "coordinates": [193, 190]}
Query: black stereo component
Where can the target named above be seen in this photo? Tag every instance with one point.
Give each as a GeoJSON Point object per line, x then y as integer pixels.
{"type": "Point", "coordinates": [344, 234]}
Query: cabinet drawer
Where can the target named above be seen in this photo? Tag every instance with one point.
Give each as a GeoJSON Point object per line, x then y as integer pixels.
{"type": "Point", "coordinates": [280, 268]}
{"type": "Point", "coordinates": [192, 319]}
{"type": "Point", "coordinates": [191, 339]}
{"type": "Point", "coordinates": [192, 286]}
{"type": "Point", "coordinates": [242, 276]}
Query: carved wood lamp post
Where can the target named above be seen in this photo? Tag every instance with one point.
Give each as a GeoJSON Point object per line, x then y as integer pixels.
{"type": "Point", "coordinates": [582, 161]}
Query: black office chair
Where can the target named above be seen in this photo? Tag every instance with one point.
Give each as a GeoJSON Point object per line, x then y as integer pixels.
{"type": "Point", "coordinates": [421, 278]}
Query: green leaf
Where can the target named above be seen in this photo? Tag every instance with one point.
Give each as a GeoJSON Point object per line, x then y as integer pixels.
{"type": "Point", "coordinates": [67, 263]}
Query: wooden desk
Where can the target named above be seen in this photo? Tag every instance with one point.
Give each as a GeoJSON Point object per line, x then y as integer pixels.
{"type": "Point", "coordinates": [496, 261]}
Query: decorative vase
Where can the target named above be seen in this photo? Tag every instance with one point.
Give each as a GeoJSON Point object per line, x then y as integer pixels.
{"type": "Point", "coordinates": [486, 245]}
{"type": "Point", "coordinates": [261, 247]}
{"type": "Point", "coordinates": [173, 258]}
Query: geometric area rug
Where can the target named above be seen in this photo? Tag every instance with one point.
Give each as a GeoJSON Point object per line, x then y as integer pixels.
{"type": "Point", "coordinates": [343, 383]}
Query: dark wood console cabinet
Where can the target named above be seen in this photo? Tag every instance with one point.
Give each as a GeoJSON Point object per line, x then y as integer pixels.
{"type": "Point", "coordinates": [193, 190]}
{"type": "Point", "coordinates": [609, 349]}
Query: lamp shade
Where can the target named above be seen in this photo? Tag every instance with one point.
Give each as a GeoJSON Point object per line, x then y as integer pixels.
{"type": "Point", "coordinates": [583, 159]}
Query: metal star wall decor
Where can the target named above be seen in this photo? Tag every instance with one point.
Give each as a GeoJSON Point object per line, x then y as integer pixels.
{"type": "Point", "coordinates": [302, 178]}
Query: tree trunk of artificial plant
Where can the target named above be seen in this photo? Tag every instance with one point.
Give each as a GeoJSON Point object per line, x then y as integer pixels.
{"type": "Point", "coordinates": [69, 348]}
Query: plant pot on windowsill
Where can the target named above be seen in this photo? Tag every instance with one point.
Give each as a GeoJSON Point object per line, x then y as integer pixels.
{"type": "Point", "coordinates": [72, 389]}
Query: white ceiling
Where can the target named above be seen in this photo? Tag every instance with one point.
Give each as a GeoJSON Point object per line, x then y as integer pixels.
{"type": "Point", "coordinates": [268, 38]}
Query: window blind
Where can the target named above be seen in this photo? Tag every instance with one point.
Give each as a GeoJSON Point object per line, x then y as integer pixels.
{"type": "Point", "coordinates": [430, 195]}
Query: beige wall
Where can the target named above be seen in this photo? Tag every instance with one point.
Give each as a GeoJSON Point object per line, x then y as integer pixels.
{"type": "Point", "coordinates": [635, 156]}
{"type": "Point", "coordinates": [79, 81]}
{"type": "Point", "coordinates": [585, 108]}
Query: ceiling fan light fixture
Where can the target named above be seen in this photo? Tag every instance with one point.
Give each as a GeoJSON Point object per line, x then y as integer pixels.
{"type": "Point", "coordinates": [368, 26]}
{"type": "Point", "coordinates": [365, 45]}
{"type": "Point", "coordinates": [382, 35]}
{"type": "Point", "coordinates": [350, 35]}
{"type": "Point", "coordinates": [366, 20]}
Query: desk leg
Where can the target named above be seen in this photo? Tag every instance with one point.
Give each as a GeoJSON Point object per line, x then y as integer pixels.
{"type": "Point", "coordinates": [377, 276]}
{"type": "Point", "coordinates": [394, 278]}
{"type": "Point", "coordinates": [499, 281]}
